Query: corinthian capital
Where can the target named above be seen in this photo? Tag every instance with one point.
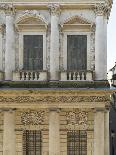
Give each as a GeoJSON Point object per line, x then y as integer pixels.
{"type": "Point", "coordinates": [8, 8]}
{"type": "Point", "coordinates": [102, 9]}
{"type": "Point", "coordinates": [54, 8]}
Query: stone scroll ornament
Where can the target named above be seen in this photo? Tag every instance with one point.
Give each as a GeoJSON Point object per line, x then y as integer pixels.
{"type": "Point", "coordinates": [33, 118]}
{"type": "Point", "coordinates": [77, 120]}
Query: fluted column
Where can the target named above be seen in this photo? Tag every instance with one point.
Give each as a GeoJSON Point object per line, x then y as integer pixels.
{"type": "Point", "coordinates": [106, 132]}
{"type": "Point", "coordinates": [9, 140]}
{"type": "Point", "coordinates": [100, 44]}
{"type": "Point", "coordinates": [54, 133]}
{"type": "Point", "coordinates": [10, 44]}
{"type": "Point", "coordinates": [54, 49]}
{"type": "Point", "coordinates": [99, 132]}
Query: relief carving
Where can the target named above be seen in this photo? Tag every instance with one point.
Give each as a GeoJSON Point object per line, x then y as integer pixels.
{"type": "Point", "coordinates": [33, 117]}
{"type": "Point", "coordinates": [8, 8]}
{"type": "Point", "coordinates": [102, 9]}
{"type": "Point", "coordinates": [77, 119]}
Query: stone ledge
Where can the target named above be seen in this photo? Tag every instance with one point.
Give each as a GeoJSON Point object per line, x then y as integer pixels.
{"type": "Point", "coordinates": [56, 84]}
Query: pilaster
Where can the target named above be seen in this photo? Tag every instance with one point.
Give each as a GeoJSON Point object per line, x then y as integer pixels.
{"type": "Point", "coordinates": [101, 42]}
{"type": "Point", "coordinates": [54, 49]}
{"type": "Point", "coordinates": [9, 139]}
{"type": "Point", "coordinates": [99, 132]}
{"type": "Point", "coordinates": [54, 132]}
{"type": "Point", "coordinates": [10, 40]}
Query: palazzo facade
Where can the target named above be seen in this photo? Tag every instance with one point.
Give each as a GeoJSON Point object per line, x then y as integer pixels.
{"type": "Point", "coordinates": [64, 41]}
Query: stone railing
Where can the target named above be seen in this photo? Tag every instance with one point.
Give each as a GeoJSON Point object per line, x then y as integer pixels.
{"type": "Point", "coordinates": [77, 75]}
{"type": "Point", "coordinates": [29, 75]}
{"type": "Point", "coordinates": [1, 75]}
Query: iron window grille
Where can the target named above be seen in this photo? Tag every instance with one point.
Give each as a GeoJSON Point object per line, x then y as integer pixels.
{"type": "Point", "coordinates": [32, 143]}
{"type": "Point", "coordinates": [77, 143]}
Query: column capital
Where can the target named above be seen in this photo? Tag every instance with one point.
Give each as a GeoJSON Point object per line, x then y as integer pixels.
{"type": "Point", "coordinates": [54, 8]}
{"type": "Point", "coordinates": [102, 9]}
{"type": "Point", "coordinates": [9, 9]}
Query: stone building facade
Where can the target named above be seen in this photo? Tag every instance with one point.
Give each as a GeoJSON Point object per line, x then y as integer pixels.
{"type": "Point", "coordinates": [54, 41]}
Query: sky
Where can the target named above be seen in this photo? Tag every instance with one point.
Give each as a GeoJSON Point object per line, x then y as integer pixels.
{"type": "Point", "coordinates": [111, 42]}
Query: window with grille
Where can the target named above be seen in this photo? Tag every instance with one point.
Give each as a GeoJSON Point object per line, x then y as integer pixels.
{"type": "Point", "coordinates": [77, 52]}
{"type": "Point", "coordinates": [77, 143]}
{"type": "Point", "coordinates": [33, 52]}
{"type": "Point", "coordinates": [31, 142]}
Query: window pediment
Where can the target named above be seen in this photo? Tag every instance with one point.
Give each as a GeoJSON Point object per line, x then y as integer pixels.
{"type": "Point", "coordinates": [76, 21]}
{"type": "Point", "coordinates": [30, 22]}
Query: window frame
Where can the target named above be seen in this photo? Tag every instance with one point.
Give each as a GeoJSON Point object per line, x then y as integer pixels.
{"type": "Point", "coordinates": [21, 47]}
{"type": "Point", "coordinates": [65, 48]}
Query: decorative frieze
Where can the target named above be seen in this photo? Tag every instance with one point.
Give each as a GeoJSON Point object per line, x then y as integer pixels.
{"type": "Point", "coordinates": [33, 117]}
{"type": "Point", "coordinates": [77, 119]}
{"type": "Point", "coordinates": [53, 99]}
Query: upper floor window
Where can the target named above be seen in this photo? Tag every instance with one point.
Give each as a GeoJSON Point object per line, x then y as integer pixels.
{"type": "Point", "coordinates": [32, 142]}
{"type": "Point", "coordinates": [33, 52]}
{"type": "Point", "coordinates": [77, 143]}
{"type": "Point", "coordinates": [76, 52]}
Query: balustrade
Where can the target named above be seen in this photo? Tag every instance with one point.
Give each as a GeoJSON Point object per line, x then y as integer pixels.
{"type": "Point", "coordinates": [25, 75]}
{"type": "Point", "coordinates": [76, 75]}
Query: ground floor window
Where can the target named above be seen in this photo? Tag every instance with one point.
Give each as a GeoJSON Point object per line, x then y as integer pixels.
{"type": "Point", "coordinates": [77, 143]}
{"type": "Point", "coordinates": [32, 142]}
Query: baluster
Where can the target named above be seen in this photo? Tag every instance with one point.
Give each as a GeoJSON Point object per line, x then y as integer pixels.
{"type": "Point", "coordinates": [75, 76]}
{"type": "Point", "coordinates": [29, 75]}
{"type": "Point", "coordinates": [69, 75]}
{"type": "Point", "coordinates": [20, 75]}
{"type": "Point", "coordinates": [25, 75]}
{"type": "Point", "coordinates": [35, 76]}
{"type": "Point", "coordinates": [78, 76]}
{"type": "Point", "coordinates": [38, 75]}
{"type": "Point", "coordinates": [82, 76]}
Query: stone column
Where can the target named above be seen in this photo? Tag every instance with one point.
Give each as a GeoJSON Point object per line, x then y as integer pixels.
{"type": "Point", "coordinates": [106, 133]}
{"type": "Point", "coordinates": [54, 133]}
{"type": "Point", "coordinates": [10, 44]}
{"type": "Point", "coordinates": [54, 49]}
{"type": "Point", "coordinates": [100, 44]}
{"type": "Point", "coordinates": [9, 140]}
{"type": "Point", "coordinates": [99, 132]}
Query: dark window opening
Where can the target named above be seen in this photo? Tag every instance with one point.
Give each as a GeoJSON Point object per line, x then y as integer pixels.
{"type": "Point", "coordinates": [77, 52]}
{"type": "Point", "coordinates": [32, 142]}
{"type": "Point", "coordinates": [77, 143]}
{"type": "Point", "coordinates": [33, 52]}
